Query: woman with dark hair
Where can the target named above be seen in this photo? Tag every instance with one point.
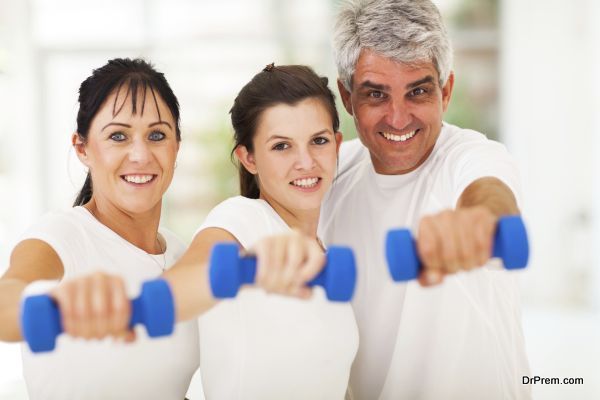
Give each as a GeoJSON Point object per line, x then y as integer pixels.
{"type": "Point", "coordinates": [261, 345]}
{"type": "Point", "coordinates": [258, 346]}
{"type": "Point", "coordinates": [128, 136]}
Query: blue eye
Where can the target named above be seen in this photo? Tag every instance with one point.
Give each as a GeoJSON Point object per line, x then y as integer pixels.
{"type": "Point", "coordinates": [118, 137]}
{"type": "Point", "coordinates": [156, 136]}
{"type": "Point", "coordinates": [320, 140]}
{"type": "Point", "coordinates": [281, 146]}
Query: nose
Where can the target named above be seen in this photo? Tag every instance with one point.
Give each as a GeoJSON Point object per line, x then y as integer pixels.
{"type": "Point", "coordinates": [139, 151]}
{"type": "Point", "coordinates": [305, 159]}
{"type": "Point", "coordinates": [398, 114]}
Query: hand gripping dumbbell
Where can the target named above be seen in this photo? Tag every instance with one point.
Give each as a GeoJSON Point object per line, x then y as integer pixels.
{"type": "Point", "coordinates": [154, 308]}
{"type": "Point", "coordinates": [229, 270]}
{"type": "Point", "coordinates": [510, 244]}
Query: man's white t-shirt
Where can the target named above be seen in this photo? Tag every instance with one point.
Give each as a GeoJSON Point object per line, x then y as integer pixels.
{"type": "Point", "coordinates": [149, 368]}
{"type": "Point", "coordinates": [459, 340]}
{"type": "Point", "coordinates": [262, 346]}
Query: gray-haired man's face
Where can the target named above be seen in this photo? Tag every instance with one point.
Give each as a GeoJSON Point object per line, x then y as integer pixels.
{"type": "Point", "coordinates": [397, 109]}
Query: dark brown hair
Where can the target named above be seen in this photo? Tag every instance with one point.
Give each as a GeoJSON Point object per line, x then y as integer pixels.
{"type": "Point", "coordinates": [286, 84]}
{"type": "Point", "coordinates": [137, 76]}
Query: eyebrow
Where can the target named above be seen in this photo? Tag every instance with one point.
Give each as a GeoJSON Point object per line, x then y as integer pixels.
{"type": "Point", "coordinates": [427, 79]}
{"type": "Point", "coordinates": [373, 85]}
{"type": "Point", "coordinates": [276, 137]}
{"type": "Point", "coordinates": [160, 122]}
{"type": "Point", "coordinates": [129, 126]}
{"type": "Point", "coordinates": [117, 124]}
{"type": "Point", "coordinates": [411, 85]}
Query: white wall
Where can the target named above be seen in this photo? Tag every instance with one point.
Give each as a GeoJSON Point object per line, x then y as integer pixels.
{"type": "Point", "coordinates": [595, 145]}
{"type": "Point", "coordinates": [549, 122]}
{"type": "Point", "coordinates": [550, 107]}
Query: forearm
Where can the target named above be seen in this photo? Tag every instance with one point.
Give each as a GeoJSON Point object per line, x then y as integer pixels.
{"type": "Point", "coordinates": [491, 193]}
{"type": "Point", "coordinates": [191, 290]}
{"type": "Point", "coordinates": [11, 291]}
{"type": "Point", "coordinates": [189, 278]}
{"type": "Point", "coordinates": [31, 260]}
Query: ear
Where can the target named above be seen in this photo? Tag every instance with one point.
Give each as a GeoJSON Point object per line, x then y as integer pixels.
{"type": "Point", "coordinates": [447, 91]}
{"type": "Point", "coordinates": [338, 141]}
{"type": "Point", "coordinates": [246, 159]}
{"type": "Point", "coordinates": [345, 95]}
{"type": "Point", "coordinates": [79, 147]}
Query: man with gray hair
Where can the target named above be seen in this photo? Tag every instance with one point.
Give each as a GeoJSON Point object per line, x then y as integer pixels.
{"type": "Point", "coordinates": [460, 339]}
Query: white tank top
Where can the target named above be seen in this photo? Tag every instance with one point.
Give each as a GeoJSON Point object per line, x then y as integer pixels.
{"type": "Point", "coordinates": [149, 368]}
{"type": "Point", "coordinates": [262, 346]}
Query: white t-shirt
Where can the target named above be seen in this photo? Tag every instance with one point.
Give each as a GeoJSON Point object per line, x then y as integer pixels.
{"type": "Point", "coordinates": [459, 340]}
{"type": "Point", "coordinates": [263, 346]}
{"type": "Point", "coordinates": [159, 368]}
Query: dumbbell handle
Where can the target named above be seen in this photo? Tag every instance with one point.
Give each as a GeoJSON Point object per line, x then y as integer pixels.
{"type": "Point", "coordinates": [510, 244]}
{"type": "Point", "coordinates": [248, 272]}
{"type": "Point", "coordinates": [229, 270]}
{"type": "Point", "coordinates": [154, 308]}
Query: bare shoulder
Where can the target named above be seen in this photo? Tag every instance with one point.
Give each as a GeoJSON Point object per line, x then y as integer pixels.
{"type": "Point", "coordinates": [34, 259]}
{"type": "Point", "coordinates": [203, 242]}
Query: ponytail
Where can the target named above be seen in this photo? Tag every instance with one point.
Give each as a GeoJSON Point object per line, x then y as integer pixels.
{"type": "Point", "coordinates": [85, 194]}
{"type": "Point", "coordinates": [248, 184]}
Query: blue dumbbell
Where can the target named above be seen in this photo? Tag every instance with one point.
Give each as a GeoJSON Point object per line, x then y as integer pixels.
{"type": "Point", "coordinates": [510, 244]}
{"type": "Point", "coordinates": [229, 270]}
{"type": "Point", "coordinates": [154, 308]}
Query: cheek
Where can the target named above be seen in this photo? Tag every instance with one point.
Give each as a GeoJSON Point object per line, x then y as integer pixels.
{"type": "Point", "coordinates": [278, 167]}
{"type": "Point", "coordinates": [104, 160]}
{"type": "Point", "coordinates": [269, 168]}
{"type": "Point", "coordinates": [328, 160]}
{"type": "Point", "coordinates": [167, 159]}
{"type": "Point", "coordinates": [368, 117]}
{"type": "Point", "coordinates": [431, 114]}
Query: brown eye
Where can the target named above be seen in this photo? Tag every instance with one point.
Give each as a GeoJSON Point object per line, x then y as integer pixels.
{"type": "Point", "coordinates": [320, 140]}
{"type": "Point", "coordinates": [281, 146]}
{"type": "Point", "coordinates": [417, 92]}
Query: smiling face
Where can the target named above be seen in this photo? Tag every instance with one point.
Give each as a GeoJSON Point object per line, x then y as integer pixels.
{"type": "Point", "coordinates": [131, 156]}
{"type": "Point", "coordinates": [294, 154]}
{"type": "Point", "coordinates": [397, 110]}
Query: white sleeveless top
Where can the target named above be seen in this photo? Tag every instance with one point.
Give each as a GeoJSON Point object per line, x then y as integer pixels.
{"type": "Point", "coordinates": [149, 368]}
{"type": "Point", "coordinates": [262, 346]}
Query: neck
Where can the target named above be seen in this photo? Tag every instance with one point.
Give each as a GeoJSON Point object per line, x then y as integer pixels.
{"type": "Point", "coordinates": [306, 221]}
{"type": "Point", "coordinates": [141, 230]}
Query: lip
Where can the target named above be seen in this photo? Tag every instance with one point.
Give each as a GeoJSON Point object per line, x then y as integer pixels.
{"type": "Point", "coordinates": [399, 143]}
{"type": "Point", "coordinates": [311, 189]}
{"type": "Point", "coordinates": [150, 182]}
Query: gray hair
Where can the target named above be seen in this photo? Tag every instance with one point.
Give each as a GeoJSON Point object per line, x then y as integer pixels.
{"type": "Point", "coordinates": [407, 31]}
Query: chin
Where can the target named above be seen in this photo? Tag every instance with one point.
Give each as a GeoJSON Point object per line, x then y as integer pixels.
{"type": "Point", "coordinates": [310, 205]}
{"type": "Point", "coordinates": [139, 208]}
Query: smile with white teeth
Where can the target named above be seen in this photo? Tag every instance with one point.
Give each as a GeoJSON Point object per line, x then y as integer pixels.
{"type": "Point", "coordinates": [305, 183]}
{"type": "Point", "coordinates": [138, 178]}
{"type": "Point", "coordinates": [398, 138]}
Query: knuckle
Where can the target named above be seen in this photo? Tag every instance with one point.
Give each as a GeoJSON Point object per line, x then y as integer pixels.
{"type": "Point", "coordinates": [67, 313]}
{"type": "Point", "coordinates": [452, 267]}
{"type": "Point", "coordinates": [100, 312]}
{"type": "Point", "coordinates": [80, 312]}
{"type": "Point", "coordinates": [426, 222]}
{"type": "Point", "coordinates": [99, 276]}
{"type": "Point", "coordinates": [427, 249]}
